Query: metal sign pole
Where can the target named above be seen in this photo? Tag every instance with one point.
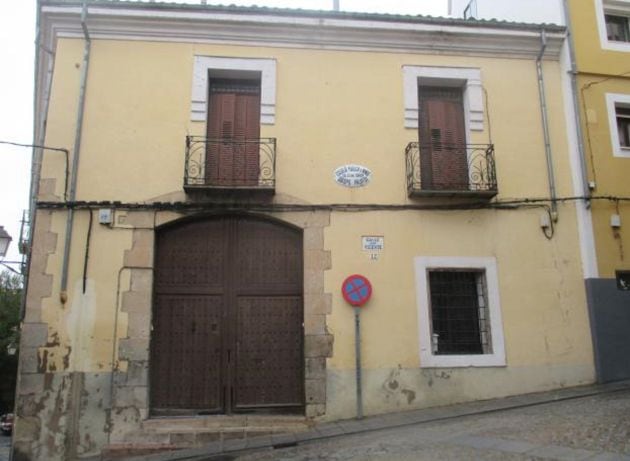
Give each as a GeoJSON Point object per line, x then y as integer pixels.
{"type": "Point", "coordinates": [356, 290]}
{"type": "Point", "coordinates": [357, 342]}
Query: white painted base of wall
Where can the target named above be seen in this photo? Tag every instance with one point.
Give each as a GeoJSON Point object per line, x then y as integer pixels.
{"type": "Point", "coordinates": [401, 389]}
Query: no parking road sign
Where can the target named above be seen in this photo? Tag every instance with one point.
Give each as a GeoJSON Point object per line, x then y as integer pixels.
{"type": "Point", "coordinates": [356, 290]}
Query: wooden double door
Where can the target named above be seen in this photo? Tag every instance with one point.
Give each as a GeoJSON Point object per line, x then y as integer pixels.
{"type": "Point", "coordinates": [227, 326]}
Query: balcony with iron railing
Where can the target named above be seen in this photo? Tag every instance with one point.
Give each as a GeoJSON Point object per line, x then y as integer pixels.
{"type": "Point", "coordinates": [450, 170]}
{"type": "Point", "coordinates": [230, 165]}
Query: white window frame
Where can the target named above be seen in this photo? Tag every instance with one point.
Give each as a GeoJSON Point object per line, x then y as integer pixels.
{"type": "Point", "coordinates": [616, 8]}
{"type": "Point", "coordinates": [613, 100]}
{"type": "Point", "coordinates": [205, 66]}
{"type": "Point", "coordinates": [467, 78]}
{"type": "Point", "coordinates": [423, 264]}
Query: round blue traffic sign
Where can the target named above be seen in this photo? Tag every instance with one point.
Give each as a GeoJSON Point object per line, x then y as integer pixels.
{"type": "Point", "coordinates": [356, 290]}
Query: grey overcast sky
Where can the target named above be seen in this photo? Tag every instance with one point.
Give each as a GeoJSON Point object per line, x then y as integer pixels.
{"type": "Point", "coordinates": [17, 37]}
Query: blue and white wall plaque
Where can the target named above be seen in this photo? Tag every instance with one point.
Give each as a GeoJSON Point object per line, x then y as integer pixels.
{"type": "Point", "coordinates": [353, 175]}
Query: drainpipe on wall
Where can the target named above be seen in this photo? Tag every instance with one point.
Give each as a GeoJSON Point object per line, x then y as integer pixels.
{"type": "Point", "coordinates": [63, 294]}
{"type": "Point", "coordinates": [77, 378]}
{"type": "Point", "coordinates": [545, 123]}
{"type": "Point", "coordinates": [586, 189]}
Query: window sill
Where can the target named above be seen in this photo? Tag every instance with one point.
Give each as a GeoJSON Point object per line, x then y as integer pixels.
{"type": "Point", "coordinates": [461, 361]}
{"type": "Point", "coordinates": [616, 46]}
{"type": "Point", "coordinates": [622, 152]}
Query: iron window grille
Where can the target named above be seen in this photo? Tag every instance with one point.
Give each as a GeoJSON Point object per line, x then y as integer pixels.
{"type": "Point", "coordinates": [459, 312]}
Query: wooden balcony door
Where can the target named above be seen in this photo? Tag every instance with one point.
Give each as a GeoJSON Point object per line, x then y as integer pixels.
{"type": "Point", "coordinates": [442, 136]}
{"type": "Point", "coordinates": [233, 130]}
{"type": "Point", "coordinates": [227, 332]}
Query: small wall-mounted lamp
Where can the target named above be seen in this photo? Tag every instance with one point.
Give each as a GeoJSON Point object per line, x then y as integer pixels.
{"type": "Point", "coordinates": [11, 348]}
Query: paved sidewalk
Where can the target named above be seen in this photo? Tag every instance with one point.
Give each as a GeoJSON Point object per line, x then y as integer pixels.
{"type": "Point", "coordinates": [462, 440]}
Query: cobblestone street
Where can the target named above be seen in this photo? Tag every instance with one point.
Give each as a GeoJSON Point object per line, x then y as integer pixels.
{"type": "Point", "coordinates": [587, 428]}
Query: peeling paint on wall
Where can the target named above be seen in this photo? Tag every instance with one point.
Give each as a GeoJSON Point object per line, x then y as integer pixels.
{"type": "Point", "coordinates": [396, 389]}
{"type": "Point", "coordinates": [80, 323]}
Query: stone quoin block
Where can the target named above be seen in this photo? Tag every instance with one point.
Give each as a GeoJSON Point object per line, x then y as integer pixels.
{"type": "Point", "coordinates": [133, 349]}
{"type": "Point", "coordinates": [318, 346]}
{"type": "Point", "coordinates": [314, 324]}
{"type": "Point", "coordinates": [315, 368]}
{"type": "Point", "coordinates": [34, 334]}
{"type": "Point", "coordinates": [318, 303]}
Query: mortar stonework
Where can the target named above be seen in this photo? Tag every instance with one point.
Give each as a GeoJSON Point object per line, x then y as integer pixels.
{"type": "Point", "coordinates": [130, 401]}
{"type": "Point", "coordinates": [130, 393]}
{"type": "Point", "coordinates": [41, 396]}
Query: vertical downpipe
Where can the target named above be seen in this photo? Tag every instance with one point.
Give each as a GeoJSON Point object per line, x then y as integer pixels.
{"type": "Point", "coordinates": [76, 381]}
{"type": "Point", "coordinates": [545, 124]}
{"type": "Point", "coordinates": [586, 190]}
{"type": "Point", "coordinates": [63, 294]}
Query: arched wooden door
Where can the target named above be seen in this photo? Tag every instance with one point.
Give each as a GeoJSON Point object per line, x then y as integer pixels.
{"type": "Point", "coordinates": [227, 327]}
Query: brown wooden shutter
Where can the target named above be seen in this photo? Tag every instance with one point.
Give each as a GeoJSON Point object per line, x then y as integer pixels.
{"type": "Point", "coordinates": [443, 161]}
{"type": "Point", "coordinates": [247, 131]}
{"type": "Point", "coordinates": [252, 132]}
{"type": "Point", "coordinates": [234, 133]}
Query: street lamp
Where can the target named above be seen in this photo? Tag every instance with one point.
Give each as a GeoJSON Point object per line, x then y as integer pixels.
{"type": "Point", "coordinates": [5, 239]}
{"type": "Point", "coordinates": [11, 348]}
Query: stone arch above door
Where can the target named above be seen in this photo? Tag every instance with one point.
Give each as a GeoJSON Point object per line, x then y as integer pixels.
{"type": "Point", "coordinates": [130, 401]}
{"type": "Point", "coordinates": [227, 319]}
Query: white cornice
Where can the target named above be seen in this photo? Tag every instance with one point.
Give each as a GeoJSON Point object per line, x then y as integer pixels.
{"type": "Point", "coordinates": [298, 31]}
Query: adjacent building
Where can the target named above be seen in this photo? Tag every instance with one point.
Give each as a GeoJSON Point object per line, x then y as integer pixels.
{"type": "Point", "coordinates": [601, 42]}
{"type": "Point", "coordinates": [597, 67]}
{"type": "Point", "coordinates": [230, 167]}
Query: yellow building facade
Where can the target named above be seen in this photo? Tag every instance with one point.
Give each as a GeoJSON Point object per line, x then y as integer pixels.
{"type": "Point", "coordinates": [601, 43]}
{"type": "Point", "coordinates": [229, 168]}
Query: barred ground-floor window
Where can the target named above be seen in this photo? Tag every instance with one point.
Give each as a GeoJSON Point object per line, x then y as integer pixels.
{"type": "Point", "coordinates": [459, 312]}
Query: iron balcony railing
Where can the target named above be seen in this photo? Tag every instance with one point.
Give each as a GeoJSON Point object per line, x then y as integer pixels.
{"type": "Point", "coordinates": [230, 163]}
{"type": "Point", "coordinates": [463, 170]}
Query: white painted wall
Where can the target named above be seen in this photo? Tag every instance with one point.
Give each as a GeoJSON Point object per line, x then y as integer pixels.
{"type": "Point", "coordinates": [530, 11]}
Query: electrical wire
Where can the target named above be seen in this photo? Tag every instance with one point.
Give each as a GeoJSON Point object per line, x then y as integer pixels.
{"type": "Point", "coordinates": [611, 77]}
{"type": "Point", "coordinates": [617, 234]}
{"type": "Point", "coordinates": [550, 231]}
{"type": "Point", "coordinates": [6, 266]}
{"type": "Point", "coordinates": [56, 149]}
{"type": "Point", "coordinates": [485, 94]}
{"type": "Point", "coordinates": [588, 131]}
{"type": "Point", "coordinates": [87, 249]}
{"type": "Point", "coordinates": [340, 207]}
{"type": "Point", "coordinates": [191, 207]}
